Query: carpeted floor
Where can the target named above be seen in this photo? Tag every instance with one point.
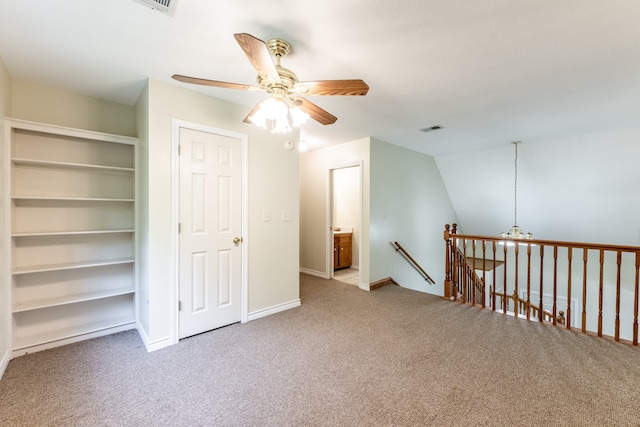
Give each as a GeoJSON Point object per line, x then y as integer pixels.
{"type": "Point", "coordinates": [346, 357]}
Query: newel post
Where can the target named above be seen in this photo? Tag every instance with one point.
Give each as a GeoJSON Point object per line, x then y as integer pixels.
{"type": "Point", "coordinates": [447, 259]}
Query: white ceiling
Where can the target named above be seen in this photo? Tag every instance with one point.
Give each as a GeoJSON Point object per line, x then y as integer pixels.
{"type": "Point", "coordinates": [488, 71]}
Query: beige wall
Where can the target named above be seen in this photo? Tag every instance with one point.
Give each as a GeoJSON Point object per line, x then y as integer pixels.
{"type": "Point", "coordinates": [5, 288]}
{"type": "Point", "coordinates": [142, 229]}
{"type": "Point", "coordinates": [410, 205]}
{"type": "Point", "coordinates": [5, 91]}
{"type": "Point", "coordinates": [314, 198]}
{"type": "Point", "coordinates": [577, 188]}
{"type": "Point", "coordinates": [273, 279]}
{"type": "Point", "coordinates": [273, 253]}
{"type": "Point", "coordinates": [53, 105]}
{"type": "Point", "coordinates": [404, 200]}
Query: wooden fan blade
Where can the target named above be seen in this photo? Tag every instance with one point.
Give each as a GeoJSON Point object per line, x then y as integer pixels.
{"type": "Point", "coordinates": [316, 113]}
{"type": "Point", "coordinates": [215, 83]}
{"type": "Point", "coordinates": [336, 87]}
{"type": "Point", "coordinates": [258, 53]}
{"type": "Point", "coordinates": [246, 119]}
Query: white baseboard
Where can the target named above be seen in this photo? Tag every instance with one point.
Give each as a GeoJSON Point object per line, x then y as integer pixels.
{"type": "Point", "coordinates": [364, 287]}
{"type": "Point", "coordinates": [273, 310]}
{"type": "Point", "coordinates": [73, 339]}
{"type": "Point", "coordinates": [4, 362]}
{"type": "Point", "coordinates": [314, 273]}
{"type": "Point", "coordinates": [153, 345]}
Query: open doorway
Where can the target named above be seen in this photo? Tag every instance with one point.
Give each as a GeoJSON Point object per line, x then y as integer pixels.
{"type": "Point", "coordinates": [345, 216]}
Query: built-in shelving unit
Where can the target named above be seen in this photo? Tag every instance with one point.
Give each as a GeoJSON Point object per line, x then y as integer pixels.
{"type": "Point", "coordinates": [71, 249]}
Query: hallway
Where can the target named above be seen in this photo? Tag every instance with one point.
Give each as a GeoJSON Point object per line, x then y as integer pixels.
{"type": "Point", "coordinates": [349, 276]}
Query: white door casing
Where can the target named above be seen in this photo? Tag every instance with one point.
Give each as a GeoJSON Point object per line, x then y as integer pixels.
{"type": "Point", "coordinates": [210, 236]}
{"type": "Point", "coordinates": [329, 205]}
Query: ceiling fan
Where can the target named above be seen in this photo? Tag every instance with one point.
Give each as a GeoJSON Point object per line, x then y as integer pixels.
{"type": "Point", "coordinates": [282, 85]}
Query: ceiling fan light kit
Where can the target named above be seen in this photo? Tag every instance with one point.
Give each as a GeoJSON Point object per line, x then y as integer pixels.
{"type": "Point", "coordinates": [285, 108]}
{"type": "Point", "coordinates": [280, 114]}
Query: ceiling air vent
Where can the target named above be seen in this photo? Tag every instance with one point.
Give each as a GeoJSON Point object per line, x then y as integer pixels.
{"type": "Point", "coordinates": [431, 129]}
{"type": "Point", "coordinates": [165, 6]}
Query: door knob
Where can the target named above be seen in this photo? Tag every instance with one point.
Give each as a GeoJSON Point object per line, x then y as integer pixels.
{"type": "Point", "coordinates": [237, 240]}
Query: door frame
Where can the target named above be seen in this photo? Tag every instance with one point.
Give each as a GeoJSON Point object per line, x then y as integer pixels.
{"type": "Point", "coordinates": [176, 125]}
{"type": "Point", "coordinates": [329, 217]}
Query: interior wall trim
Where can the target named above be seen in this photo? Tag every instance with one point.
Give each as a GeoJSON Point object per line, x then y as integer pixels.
{"type": "Point", "coordinates": [153, 345]}
{"type": "Point", "coordinates": [4, 363]}
{"type": "Point", "coordinates": [273, 310]}
{"type": "Point", "coordinates": [314, 273]}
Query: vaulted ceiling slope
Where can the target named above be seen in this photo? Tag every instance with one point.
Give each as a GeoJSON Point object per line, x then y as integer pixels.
{"type": "Point", "coordinates": [563, 77]}
{"type": "Point", "coordinates": [487, 71]}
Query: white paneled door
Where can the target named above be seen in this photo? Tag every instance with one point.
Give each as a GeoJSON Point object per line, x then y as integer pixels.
{"type": "Point", "coordinates": [210, 236]}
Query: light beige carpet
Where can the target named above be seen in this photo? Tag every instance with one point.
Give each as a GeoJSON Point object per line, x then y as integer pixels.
{"type": "Point", "coordinates": [346, 357]}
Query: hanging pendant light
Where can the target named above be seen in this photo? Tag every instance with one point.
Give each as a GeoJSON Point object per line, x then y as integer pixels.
{"type": "Point", "coordinates": [515, 232]}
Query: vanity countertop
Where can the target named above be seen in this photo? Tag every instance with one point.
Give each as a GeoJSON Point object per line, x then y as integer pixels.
{"type": "Point", "coordinates": [342, 230]}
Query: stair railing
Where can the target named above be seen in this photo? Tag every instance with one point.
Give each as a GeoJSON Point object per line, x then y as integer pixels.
{"type": "Point", "coordinates": [470, 287]}
{"type": "Point", "coordinates": [601, 290]}
{"type": "Point", "coordinates": [413, 262]}
{"type": "Point", "coordinates": [522, 307]}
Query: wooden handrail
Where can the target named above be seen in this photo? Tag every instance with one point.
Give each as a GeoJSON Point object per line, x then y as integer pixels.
{"type": "Point", "coordinates": [414, 263]}
{"type": "Point", "coordinates": [522, 306]}
{"type": "Point", "coordinates": [609, 295]}
{"type": "Point", "coordinates": [558, 243]}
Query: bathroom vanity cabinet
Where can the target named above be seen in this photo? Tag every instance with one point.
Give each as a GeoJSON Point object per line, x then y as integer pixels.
{"type": "Point", "coordinates": [342, 250]}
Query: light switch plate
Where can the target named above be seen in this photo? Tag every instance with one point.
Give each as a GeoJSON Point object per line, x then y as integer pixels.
{"type": "Point", "coordinates": [266, 215]}
{"type": "Point", "coordinates": [287, 215]}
